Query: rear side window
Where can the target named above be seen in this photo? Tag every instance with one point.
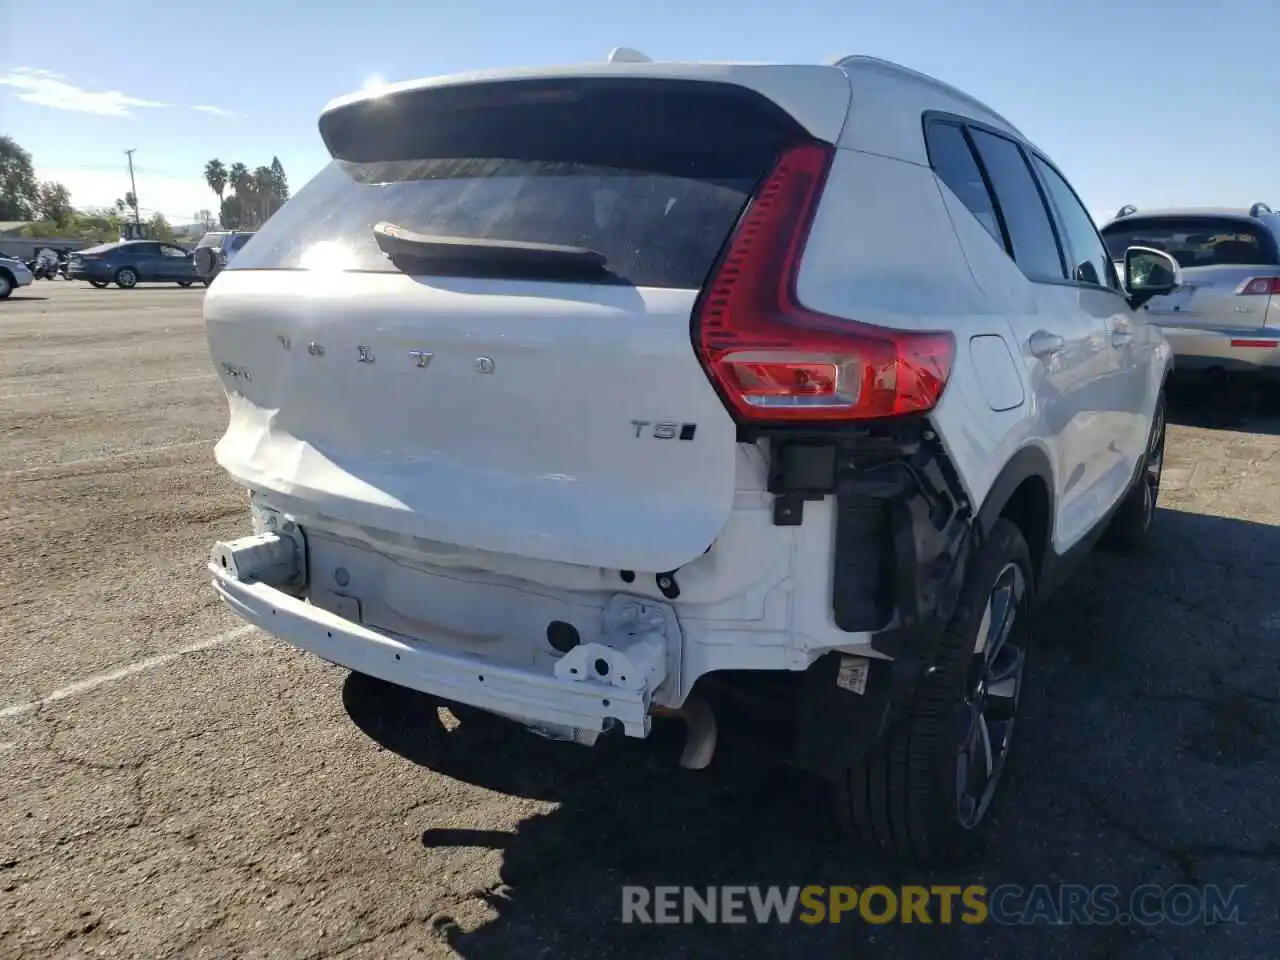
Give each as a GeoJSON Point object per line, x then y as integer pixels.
{"type": "Point", "coordinates": [1087, 258]}
{"type": "Point", "coordinates": [652, 175]}
{"type": "Point", "coordinates": [1035, 247]}
{"type": "Point", "coordinates": [1195, 241]}
{"type": "Point", "coordinates": [238, 241]}
{"type": "Point", "coordinates": [953, 161]}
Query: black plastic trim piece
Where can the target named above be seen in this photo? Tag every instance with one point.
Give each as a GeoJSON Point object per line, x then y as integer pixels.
{"type": "Point", "coordinates": [667, 584]}
{"type": "Point", "coordinates": [902, 523]}
{"type": "Point", "coordinates": [1026, 463]}
{"type": "Point", "coordinates": [704, 127]}
{"type": "Point", "coordinates": [835, 726]}
{"type": "Point", "coordinates": [910, 533]}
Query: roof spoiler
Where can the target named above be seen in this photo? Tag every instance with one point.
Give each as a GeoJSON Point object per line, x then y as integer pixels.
{"type": "Point", "coordinates": [1258, 209]}
{"type": "Point", "coordinates": [627, 55]}
{"type": "Point", "coordinates": [1127, 210]}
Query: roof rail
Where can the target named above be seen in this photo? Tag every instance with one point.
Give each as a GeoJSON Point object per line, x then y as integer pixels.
{"type": "Point", "coordinates": [939, 85]}
{"type": "Point", "coordinates": [627, 55]}
{"type": "Point", "coordinates": [1127, 210]}
{"type": "Point", "coordinates": [1258, 209]}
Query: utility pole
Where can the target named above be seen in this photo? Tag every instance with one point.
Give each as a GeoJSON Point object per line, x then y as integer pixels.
{"type": "Point", "coordinates": [133, 187]}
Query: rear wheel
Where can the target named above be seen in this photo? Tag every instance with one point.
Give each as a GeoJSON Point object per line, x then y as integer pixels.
{"type": "Point", "coordinates": [925, 792]}
{"type": "Point", "coordinates": [6, 285]}
{"type": "Point", "coordinates": [126, 278]}
{"type": "Point", "coordinates": [1132, 523]}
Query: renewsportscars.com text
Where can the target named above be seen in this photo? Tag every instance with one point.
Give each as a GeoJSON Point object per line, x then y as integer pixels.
{"type": "Point", "coordinates": [1060, 904]}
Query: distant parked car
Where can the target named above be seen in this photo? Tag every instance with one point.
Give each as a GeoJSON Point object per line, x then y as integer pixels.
{"type": "Point", "coordinates": [1225, 317]}
{"type": "Point", "coordinates": [215, 250]}
{"type": "Point", "coordinates": [13, 274]}
{"type": "Point", "coordinates": [128, 263]}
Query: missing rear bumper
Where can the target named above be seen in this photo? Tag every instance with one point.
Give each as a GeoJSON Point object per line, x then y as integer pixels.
{"type": "Point", "coordinates": [615, 681]}
{"type": "Point", "coordinates": [904, 533]}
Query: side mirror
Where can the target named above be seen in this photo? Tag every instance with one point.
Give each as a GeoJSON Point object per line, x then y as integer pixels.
{"type": "Point", "coordinates": [1149, 273]}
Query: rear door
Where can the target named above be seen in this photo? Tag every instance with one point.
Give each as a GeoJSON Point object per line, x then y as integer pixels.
{"type": "Point", "coordinates": [1125, 389]}
{"type": "Point", "coordinates": [175, 263]}
{"type": "Point", "coordinates": [524, 383]}
{"type": "Point", "coordinates": [1218, 256]}
{"type": "Point", "coordinates": [144, 257]}
{"type": "Point", "coordinates": [1064, 345]}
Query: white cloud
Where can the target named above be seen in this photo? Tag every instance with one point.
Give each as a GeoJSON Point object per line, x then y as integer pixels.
{"type": "Point", "coordinates": [51, 90]}
{"type": "Point", "coordinates": [47, 89]}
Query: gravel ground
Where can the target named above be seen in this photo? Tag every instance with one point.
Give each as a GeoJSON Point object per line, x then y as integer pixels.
{"type": "Point", "coordinates": [173, 784]}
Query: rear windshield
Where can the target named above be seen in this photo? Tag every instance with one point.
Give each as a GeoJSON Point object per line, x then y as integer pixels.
{"type": "Point", "coordinates": [100, 248]}
{"type": "Point", "coordinates": [1195, 241]}
{"type": "Point", "coordinates": [239, 241]}
{"type": "Point", "coordinates": [650, 175]}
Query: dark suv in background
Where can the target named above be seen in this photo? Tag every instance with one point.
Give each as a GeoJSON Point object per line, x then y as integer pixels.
{"type": "Point", "coordinates": [131, 262]}
{"type": "Point", "coordinates": [215, 250]}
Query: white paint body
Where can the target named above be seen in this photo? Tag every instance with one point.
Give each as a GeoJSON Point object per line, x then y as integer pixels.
{"type": "Point", "coordinates": [464, 511]}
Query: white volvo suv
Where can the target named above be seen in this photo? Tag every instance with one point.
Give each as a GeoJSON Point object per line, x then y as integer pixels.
{"type": "Point", "coordinates": [760, 395]}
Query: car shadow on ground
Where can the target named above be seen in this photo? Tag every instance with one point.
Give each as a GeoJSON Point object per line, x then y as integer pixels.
{"type": "Point", "coordinates": [1146, 754]}
{"type": "Point", "coordinates": [1243, 404]}
{"type": "Point", "coordinates": [21, 296]}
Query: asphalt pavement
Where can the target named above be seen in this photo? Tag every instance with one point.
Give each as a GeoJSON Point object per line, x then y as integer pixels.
{"type": "Point", "coordinates": [175, 784]}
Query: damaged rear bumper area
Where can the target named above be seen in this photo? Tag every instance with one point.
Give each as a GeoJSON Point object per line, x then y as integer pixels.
{"type": "Point", "coordinates": [585, 692]}
{"type": "Point", "coordinates": [905, 530]}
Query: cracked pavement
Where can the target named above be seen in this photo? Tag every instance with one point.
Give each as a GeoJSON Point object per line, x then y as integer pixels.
{"type": "Point", "coordinates": [246, 800]}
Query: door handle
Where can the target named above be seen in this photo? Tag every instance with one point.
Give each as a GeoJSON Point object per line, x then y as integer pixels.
{"type": "Point", "coordinates": [1120, 336]}
{"type": "Point", "coordinates": [1045, 344]}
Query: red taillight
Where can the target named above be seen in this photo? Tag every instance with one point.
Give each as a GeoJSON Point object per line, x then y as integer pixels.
{"type": "Point", "coordinates": [772, 358]}
{"type": "Point", "coordinates": [1261, 287]}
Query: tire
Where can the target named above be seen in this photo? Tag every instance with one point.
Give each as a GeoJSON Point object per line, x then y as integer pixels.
{"type": "Point", "coordinates": [1130, 528]}
{"type": "Point", "coordinates": [6, 285]}
{"type": "Point", "coordinates": [205, 260]}
{"type": "Point", "coordinates": [126, 278]}
{"type": "Point", "coordinates": [100, 284]}
{"type": "Point", "coordinates": [184, 283]}
{"type": "Point", "coordinates": [906, 798]}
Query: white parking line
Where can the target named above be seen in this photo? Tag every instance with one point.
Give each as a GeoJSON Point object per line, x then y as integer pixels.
{"type": "Point", "coordinates": [128, 670]}
{"type": "Point", "coordinates": [123, 455]}
{"type": "Point", "coordinates": [108, 387]}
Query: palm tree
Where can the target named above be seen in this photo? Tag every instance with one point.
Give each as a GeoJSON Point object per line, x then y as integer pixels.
{"type": "Point", "coordinates": [215, 175]}
{"type": "Point", "coordinates": [264, 183]}
{"type": "Point", "coordinates": [238, 177]}
{"type": "Point", "coordinates": [242, 185]}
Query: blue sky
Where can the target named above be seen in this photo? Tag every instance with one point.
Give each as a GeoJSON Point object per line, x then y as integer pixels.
{"type": "Point", "coordinates": [1139, 102]}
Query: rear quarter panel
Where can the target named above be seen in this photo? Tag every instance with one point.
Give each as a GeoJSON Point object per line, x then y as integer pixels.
{"type": "Point", "coordinates": [884, 250]}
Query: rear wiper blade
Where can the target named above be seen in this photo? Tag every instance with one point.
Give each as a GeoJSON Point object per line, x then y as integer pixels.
{"type": "Point", "coordinates": [396, 241]}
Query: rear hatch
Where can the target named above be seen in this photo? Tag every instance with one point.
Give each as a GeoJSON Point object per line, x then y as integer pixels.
{"type": "Point", "coordinates": [473, 326]}
{"type": "Point", "coordinates": [1228, 265]}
